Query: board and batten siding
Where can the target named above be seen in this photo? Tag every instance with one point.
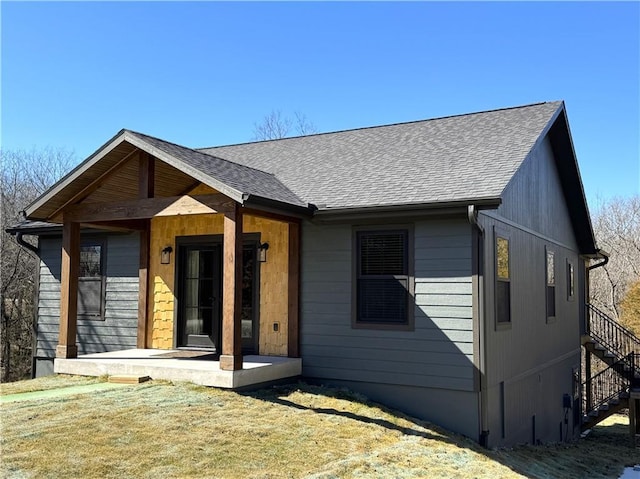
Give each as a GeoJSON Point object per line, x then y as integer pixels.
{"type": "Point", "coordinates": [118, 330]}
{"type": "Point", "coordinates": [530, 362]}
{"type": "Point", "coordinates": [420, 371]}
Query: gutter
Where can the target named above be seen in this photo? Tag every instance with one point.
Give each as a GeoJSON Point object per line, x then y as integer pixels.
{"type": "Point", "coordinates": [605, 259]}
{"type": "Point", "coordinates": [26, 245]}
{"type": "Point", "coordinates": [477, 268]}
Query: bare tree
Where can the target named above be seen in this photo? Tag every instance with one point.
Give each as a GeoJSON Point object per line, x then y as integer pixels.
{"type": "Point", "coordinates": [275, 126]}
{"type": "Point", "coordinates": [617, 228]}
{"type": "Point", "coordinates": [25, 175]}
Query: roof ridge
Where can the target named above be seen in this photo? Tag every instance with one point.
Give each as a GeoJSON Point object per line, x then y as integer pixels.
{"type": "Point", "coordinates": [379, 126]}
{"type": "Point", "coordinates": [126, 130]}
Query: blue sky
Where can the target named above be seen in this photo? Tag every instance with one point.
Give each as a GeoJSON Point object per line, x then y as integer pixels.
{"type": "Point", "coordinates": [201, 74]}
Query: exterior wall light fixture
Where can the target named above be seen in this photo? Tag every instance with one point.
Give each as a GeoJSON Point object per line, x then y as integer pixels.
{"type": "Point", "coordinates": [262, 252]}
{"type": "Point", "coordinates": [165, 256]}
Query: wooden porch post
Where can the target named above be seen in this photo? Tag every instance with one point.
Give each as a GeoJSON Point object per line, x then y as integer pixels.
{"type": "Point", "coordinates": [67, 347]}
{"type": "Point", "coordinates": [231, 358]}
{"type": "Point", "coordinates": [143, 286]}
{"type": "Point", "coordinates": [293, 333]}
{"type": "Point", "coordinates": [146, 183]}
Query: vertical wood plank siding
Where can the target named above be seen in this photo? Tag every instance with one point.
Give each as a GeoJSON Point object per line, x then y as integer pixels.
{"type": "Point", "coordinates": [437, 354]}
{"type": "Point", "coordinates": [118, 330]}
{"type": "Point", "coordinates": [533, 356]}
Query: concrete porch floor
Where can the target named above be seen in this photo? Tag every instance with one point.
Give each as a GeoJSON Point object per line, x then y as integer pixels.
{"type": "Point", "coordinates": [181, 365]}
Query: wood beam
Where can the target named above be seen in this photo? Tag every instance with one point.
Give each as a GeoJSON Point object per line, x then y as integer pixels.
{"type": "Point", "coordinates": [146, 175]}
{"type": "Point", "coordinates": [231, 358]}
{"type": "Point", "coordinates": [293, 333]}
{"type": "Point", "coordinates": [149, 207]}
{"type": "Point", "coordinates": [67, 347]}
{"type": "Point", "coordinates": [146, 189]}
{"type": "Point", "coordinates": [143, 286]}
{"type": "Point", "coordinates": [117, 226]}
{"type": "Point", "coordinates": [271, 216]}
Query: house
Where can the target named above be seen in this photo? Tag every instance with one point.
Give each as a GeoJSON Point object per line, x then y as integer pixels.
{"type": "Point", "coordinates": [439, 267]}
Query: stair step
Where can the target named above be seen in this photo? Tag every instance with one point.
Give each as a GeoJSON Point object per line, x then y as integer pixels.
{"type": "Point", "coordinates": [595, 413]}
{"type": "Point", "coordinates": [599, 347]}
{"type": "Point", "coordinates": [604, 407]}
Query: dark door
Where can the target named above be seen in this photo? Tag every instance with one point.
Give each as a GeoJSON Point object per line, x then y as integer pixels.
{"type": "Point", "coordinates": [200, 296]}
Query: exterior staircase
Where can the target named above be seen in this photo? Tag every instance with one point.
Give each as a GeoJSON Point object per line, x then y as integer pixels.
{"type": "Point", "coordinates": [617, 351]}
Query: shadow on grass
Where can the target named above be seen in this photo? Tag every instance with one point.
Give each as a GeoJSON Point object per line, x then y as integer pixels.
{"type": "Point", "coordinates": [279, 394]}
{"type": "Point", "coordinates": [603, 454]}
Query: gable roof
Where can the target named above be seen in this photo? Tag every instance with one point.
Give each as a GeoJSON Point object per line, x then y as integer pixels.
{"type": "Point", "coordinates": [459, 158]}
{"type": "Point", "coordinates": [455, 160]}
{"type": "Point", "coordinates": [234, 180]}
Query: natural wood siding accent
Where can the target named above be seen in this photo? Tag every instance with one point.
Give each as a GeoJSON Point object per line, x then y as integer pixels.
{"type": "Point", "coordinates": [118, 330]}
{"type": "Point", "coordinates": [437, 354]}
{"type": "Point", "coordinates": [273, 276]}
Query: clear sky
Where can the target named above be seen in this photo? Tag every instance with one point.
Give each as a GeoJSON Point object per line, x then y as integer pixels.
{"type": "Point", "coordinates": [202, 73]}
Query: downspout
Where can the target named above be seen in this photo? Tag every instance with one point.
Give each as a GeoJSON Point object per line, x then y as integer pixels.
{"type": "Point", "coordinates": [478, 267]}
{"type": "Point", "coordinates": [587, 324]}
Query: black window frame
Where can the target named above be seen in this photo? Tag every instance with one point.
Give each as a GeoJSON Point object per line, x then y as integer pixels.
{"type": "Point", "coordinates": [408, 258]}
{"type": "Point", "coordinates": [500, 282]}
{"type": "Point", "coordinates": [100, 279]}
{"type": "Point", "coordinates": [571, 281]}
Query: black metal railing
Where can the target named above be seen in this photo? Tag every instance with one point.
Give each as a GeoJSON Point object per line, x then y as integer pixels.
{"type": "Point", "coordinates": [612, 335]}
{"type": "Point", "coordinates": [610, 383]}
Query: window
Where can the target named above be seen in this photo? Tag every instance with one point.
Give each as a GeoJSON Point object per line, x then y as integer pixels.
{"type": "Point", "coordinates": [503, 281]}
{"type": "Point", "coordinates": [570, 282]}
{"type": "Point", "coordinates": [383, 279]}
{"type": "Point", "coordinates": [90, 281]}
{"type": "Point", "coordinates": [551, 285]}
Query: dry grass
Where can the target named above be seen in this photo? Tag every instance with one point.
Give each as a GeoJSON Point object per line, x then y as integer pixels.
{"type": "Point", "coordinates": [163, 430]}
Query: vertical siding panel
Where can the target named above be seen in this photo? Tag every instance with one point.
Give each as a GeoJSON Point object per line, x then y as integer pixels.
{"type": "Point", "coordinates": [533, 357]}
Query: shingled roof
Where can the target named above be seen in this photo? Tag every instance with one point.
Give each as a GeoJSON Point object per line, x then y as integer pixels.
{"type": "Point", "coordinates": [458, 158]}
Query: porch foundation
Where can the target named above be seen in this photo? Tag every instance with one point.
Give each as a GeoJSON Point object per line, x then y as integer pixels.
{"type": "Point", "coordinates": [158, 364]}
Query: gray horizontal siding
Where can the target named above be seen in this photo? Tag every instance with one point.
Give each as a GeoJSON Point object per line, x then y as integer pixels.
{"type": "Point", "coordinates": [438, 353]}
{"type": "Point", "coordinates": [118, 330]}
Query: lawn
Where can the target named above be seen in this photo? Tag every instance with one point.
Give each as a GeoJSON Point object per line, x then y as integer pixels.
{"type": "Point", "coordinates": [164, 430]}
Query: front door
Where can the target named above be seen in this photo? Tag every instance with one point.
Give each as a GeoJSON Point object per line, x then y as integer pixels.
{"type": "Point", "coordinates": [200, 294]}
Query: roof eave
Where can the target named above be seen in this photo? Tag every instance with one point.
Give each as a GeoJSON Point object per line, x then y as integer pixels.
{"type": "Point", "coordinates": [439, 208]}
{"type": "Point", "coordinates": [63, 182]}
{"type": "Point", "coordinates": [218, 185]}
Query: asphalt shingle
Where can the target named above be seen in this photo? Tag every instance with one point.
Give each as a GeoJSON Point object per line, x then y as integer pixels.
{"type": "Point", "coordinates": [447, 159]}
{"type": "Point", "coordinates": [242, 178]}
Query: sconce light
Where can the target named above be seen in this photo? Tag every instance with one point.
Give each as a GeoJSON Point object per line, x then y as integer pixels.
{"type": "Point", "coordinates": [262, 252]}
{"type": "Point", "coordinates": [165, 257]}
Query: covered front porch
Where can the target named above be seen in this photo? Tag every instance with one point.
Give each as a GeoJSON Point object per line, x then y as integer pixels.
{"type": "Point", "coordinates": [205, 280]}
{"type": "Point", "coordinates": [197, 367]}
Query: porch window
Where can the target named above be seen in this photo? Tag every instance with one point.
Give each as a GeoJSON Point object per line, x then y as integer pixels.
{"type": "Point", "coordinates": [503, 281]}
{"type": "Point", "coordinates": [551, 285]}
{"type": "Point", "coordinates": [383, 279]}
{"type": "Point", "coordinates": [90, 281]}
